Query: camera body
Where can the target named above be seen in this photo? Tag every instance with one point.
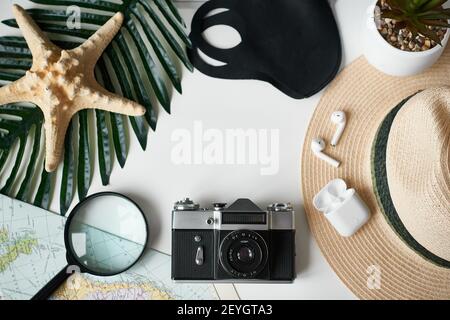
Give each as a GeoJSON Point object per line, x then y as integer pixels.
{"type": "Point", "coordinates": [239, 243]}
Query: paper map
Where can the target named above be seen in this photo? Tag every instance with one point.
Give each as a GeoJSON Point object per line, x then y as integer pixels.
{"type": "Point", "coordinates": [32, 251]}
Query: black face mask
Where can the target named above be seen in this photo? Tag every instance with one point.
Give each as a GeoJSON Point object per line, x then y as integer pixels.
{"type": "Point", "coordinates": [292, 44]}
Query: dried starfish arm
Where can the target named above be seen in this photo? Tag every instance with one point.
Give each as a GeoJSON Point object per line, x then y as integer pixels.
{"type": "Point", "coordinates": [92, 49]}
{"type": "Point", "coordinates": [55, 133]}
{"type": "Point", "coordinates": [117, 104]}
{"type": "Point", "coordinates": [107, 101]}
{"type": "Point", "coordinates": [39, 44]}
{"type": "Point", "coordinates": [18, 91]}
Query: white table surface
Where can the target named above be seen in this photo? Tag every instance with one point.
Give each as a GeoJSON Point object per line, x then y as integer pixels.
{"type": "Point", "coordinates": [155, 182]}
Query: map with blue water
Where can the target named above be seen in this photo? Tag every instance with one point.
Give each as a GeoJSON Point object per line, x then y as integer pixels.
{"type": "Point", "coordinates": [32, 251]}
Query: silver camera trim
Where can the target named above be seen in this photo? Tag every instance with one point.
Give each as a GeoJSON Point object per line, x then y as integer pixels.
{"type": "Point", "coordinates": [204, 219]}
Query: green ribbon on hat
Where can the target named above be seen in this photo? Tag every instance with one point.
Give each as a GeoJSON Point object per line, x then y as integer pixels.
{"type": "Point", "coordinates": [381, 188]}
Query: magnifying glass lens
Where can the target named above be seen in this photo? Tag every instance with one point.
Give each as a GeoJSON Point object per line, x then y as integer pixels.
{"type": "Point", "coordinates": [107, 234]}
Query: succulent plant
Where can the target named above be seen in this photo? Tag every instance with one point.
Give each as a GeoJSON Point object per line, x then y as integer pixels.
{"type": "Point", "coordinates": [418, 16]}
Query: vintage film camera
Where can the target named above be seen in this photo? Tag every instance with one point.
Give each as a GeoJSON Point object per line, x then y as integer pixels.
{"type": "Point", "coordinates": [239, 243]}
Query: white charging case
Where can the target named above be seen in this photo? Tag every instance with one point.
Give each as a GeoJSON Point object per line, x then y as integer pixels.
{"type": "Point", "coordinates": [342, 207]}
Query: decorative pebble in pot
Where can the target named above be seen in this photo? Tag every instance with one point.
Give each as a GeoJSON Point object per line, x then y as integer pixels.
{"type": "Point", "coordinates": [405, 37]}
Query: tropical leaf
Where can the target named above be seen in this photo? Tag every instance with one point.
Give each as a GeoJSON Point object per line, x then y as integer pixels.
{"type": "Point", "coordinates": [139, 64]}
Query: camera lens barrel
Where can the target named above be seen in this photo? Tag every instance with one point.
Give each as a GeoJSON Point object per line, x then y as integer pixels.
{"type": "Point", "coordinates": [243, 254]}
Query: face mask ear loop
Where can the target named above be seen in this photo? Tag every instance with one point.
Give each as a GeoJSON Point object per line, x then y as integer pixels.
{"type": "Point", "coordinates": [227, 18]}
{"type": "Point", "coordinates": [200, 24]}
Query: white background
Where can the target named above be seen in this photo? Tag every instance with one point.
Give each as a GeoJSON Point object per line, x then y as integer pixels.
{"type": "Point", "coordinates": [156, 183]}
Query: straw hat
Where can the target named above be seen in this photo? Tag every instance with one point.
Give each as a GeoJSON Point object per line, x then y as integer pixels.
{"type": "Point", "coordinates": [395, 152]}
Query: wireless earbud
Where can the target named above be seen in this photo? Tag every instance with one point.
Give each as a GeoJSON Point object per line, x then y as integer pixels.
{"type": "Point", "coordinates": [317, 147]}
{"type": "Point", "coordinates": [338, 118]}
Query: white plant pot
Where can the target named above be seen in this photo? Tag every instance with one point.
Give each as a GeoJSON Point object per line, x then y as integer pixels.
{"type": "Point", "coordinates": [391, 60]}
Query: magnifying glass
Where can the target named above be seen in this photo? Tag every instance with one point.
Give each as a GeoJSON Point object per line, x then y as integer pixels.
{"type": "Point", "coordinates": [105, 235]}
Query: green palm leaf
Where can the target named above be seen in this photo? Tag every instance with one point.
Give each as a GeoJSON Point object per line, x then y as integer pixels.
{"type": "Point", "coordinates": [138, 65]}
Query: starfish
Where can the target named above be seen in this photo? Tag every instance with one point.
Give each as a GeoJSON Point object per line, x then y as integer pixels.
{"type": "Point", "coordinates": [62, 82]}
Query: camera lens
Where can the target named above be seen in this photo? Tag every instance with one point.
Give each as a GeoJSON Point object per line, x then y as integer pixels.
{"type": "Point", "coordinates": [243, 254]}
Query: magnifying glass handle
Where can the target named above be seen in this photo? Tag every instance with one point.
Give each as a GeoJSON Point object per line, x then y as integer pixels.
{"type": "Point", "coordinates": [54, 284]}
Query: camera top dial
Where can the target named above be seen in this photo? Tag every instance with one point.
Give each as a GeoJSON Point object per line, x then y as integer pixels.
{"type": "Point", "coordinates": [186, 205]}
{"type": "Point", "coordinates": [280, 207]}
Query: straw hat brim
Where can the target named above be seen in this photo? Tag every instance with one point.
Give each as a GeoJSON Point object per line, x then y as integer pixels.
{"type": "Point", "coordinates": [368, 96]}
